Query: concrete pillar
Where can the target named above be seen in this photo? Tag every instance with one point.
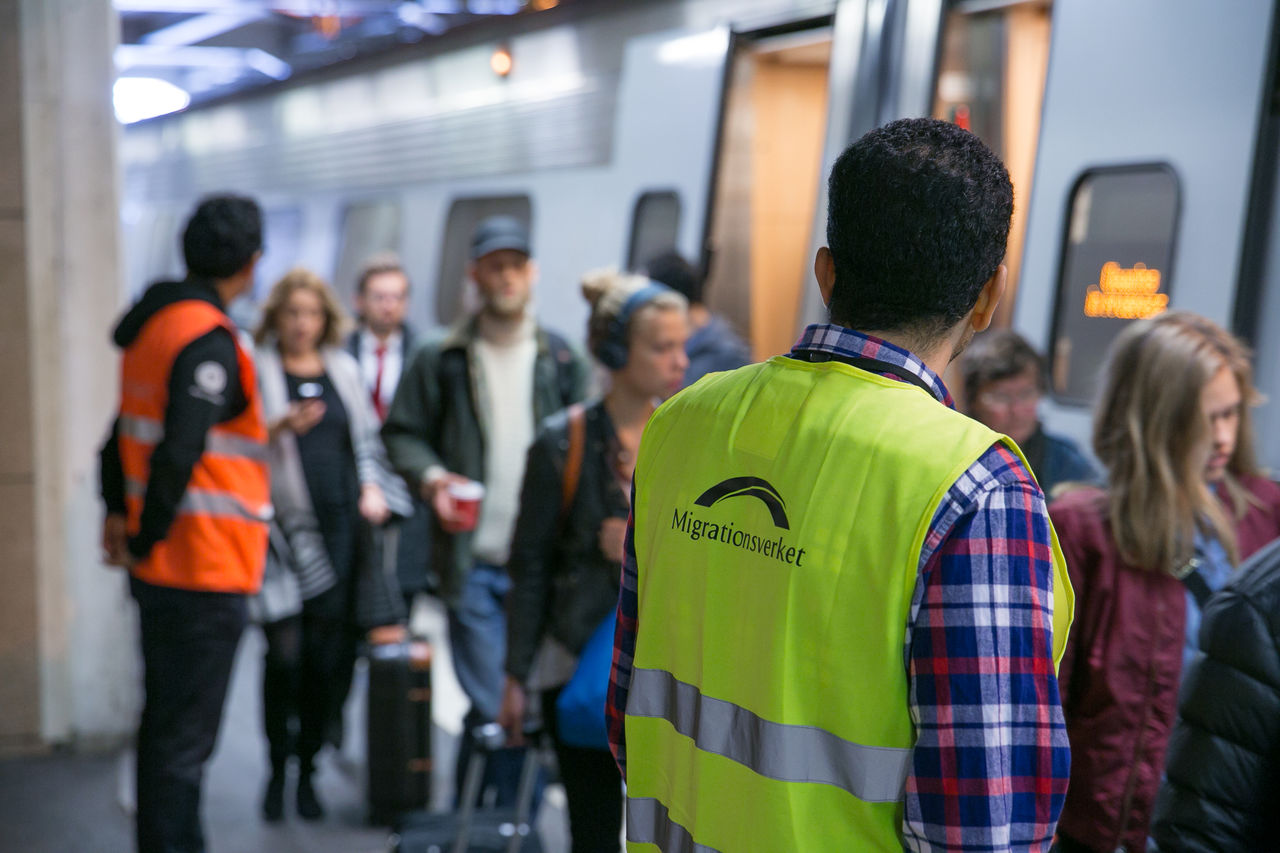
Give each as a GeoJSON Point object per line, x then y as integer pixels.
{"type": "Point", "coordinates": [68, 650]}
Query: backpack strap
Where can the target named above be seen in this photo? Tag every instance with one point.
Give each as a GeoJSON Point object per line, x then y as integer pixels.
{"type": "Point", "coordinates": [573, 458]}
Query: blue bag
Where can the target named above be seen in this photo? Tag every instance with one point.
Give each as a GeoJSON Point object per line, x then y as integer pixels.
{"type": "Point", "coordinates": [580, 717]}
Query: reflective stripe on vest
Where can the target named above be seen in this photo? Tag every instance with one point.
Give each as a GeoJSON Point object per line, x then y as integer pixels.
{"type": "Point", "coordinates": [208, 502]}
{"type": "Point", "coordinates": [874, 774]}
{"type": "Point", "coordinates": [151, 431]}
{"type": "Point", "coordinates": [649, 822]}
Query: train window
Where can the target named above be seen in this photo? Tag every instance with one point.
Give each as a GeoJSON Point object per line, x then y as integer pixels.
{"type": "Point", "coordinates": [368, 227]}
{"type": "Point", "coordinates": [281, 245]}
{"type": "Point", "coordinates": [655, 227]}
{"type": "Point", "coordinates": [465, 214]}
{"type": "Point", "coordinates": [1116, 257]}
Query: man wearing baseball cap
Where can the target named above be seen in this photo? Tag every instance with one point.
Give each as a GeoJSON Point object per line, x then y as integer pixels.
{"type": "Point", "coordinates": [465, 412]}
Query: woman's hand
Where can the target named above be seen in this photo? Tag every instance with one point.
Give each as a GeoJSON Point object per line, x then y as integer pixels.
{"type": "Point", "coordinates": [511, 715]}
{"type": "Point", "coordinates": [613, 538]}
{"type": "Point", "coordinates": [300, 417]}
{"type": "Point", "coordinates": [386, 635]}
{"type": "Point", "coordinates": [373, 504]}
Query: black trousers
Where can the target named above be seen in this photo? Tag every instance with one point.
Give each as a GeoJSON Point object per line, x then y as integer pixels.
{"type": "Point", "coordinates": [188, 646]}
{"type": "Point", "coordinates": [592, 787]}
{"type": "Point", "coordinates": [306, 677]}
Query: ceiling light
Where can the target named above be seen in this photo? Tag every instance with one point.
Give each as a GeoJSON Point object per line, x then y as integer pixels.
{"type": "Point", "coordinates": [138, 98]}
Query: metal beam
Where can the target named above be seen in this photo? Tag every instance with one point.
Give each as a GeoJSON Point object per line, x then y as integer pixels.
{"type": "Point", "coordinates": [162, 56]}
{"type": "Point", "coordinates": [203, 27]}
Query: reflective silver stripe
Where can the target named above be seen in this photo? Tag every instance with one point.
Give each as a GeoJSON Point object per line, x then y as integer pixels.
{"type": "Point", "coordinates": [649, 822]}
{"type": "Point", "coordinates": [221, 503]}
{"type": "Point", "coordinates": [146, 430]}
{"type": "Point", "coordinates": [873, 774]}
{"type": "Point", "coordinates": [151, 431]}
{"type": "Point", "coordinates": [223, 444]}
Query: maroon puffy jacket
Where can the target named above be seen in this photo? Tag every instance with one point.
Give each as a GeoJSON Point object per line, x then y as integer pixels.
{"type": "Point", "coordinates": [1119, 676]}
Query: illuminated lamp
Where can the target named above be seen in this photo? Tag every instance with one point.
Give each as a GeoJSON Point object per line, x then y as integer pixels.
{"type": "Point", "coordinates": [139, 98]}
{"type": "Point", "coordinates": [500, 61]}
{"type": "Point", "coordinates": [543, 5]}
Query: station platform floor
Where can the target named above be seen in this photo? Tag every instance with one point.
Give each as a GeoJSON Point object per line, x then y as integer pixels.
{"type": "Point", "coordinates": [67, 802]}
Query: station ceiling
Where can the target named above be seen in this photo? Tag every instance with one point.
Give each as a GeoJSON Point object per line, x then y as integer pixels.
{"type": "Point", "coordinates": [212, 48]}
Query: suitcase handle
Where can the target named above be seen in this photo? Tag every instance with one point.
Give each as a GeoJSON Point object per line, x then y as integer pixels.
{"type": "Point", "coordinates": [488, 738]}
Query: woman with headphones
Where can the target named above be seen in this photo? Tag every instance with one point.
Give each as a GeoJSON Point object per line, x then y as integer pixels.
{"type": "Point", "coordinates": [566, 553]}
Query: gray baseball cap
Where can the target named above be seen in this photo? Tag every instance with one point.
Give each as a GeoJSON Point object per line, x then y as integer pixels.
{"type": "Point", "coordinates": [499, 232]}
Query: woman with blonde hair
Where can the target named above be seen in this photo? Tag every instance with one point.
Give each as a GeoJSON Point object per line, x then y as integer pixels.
{"type": "Point", "coordinates": [566, 553]}
{"type": "Point", "coordinates": [1184, 504]}
{"type": "Point", "coordinates": [331, 487]}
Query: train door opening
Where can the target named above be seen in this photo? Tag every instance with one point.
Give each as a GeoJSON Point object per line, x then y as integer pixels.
{"type": "Point", "coordinates": [768, 174]}
{"type": "Point", "coordinates": [992, 66]}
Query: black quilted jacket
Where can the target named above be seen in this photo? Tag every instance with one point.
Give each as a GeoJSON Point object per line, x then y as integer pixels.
{"type": "Point", "coordinates": [1222, 791]}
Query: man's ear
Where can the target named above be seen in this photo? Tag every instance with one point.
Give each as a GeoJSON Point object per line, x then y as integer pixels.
{"type": "Point", "coordinates": [824, 270]}
{"type": "Point", "coordinates": [984, 310]}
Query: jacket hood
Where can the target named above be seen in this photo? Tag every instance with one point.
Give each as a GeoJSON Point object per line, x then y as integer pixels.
{"type": "Point", "coordinates": [161, 295]}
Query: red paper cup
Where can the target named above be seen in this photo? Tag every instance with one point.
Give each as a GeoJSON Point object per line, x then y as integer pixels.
{"type": "Point", "coordinates": [466, 499]}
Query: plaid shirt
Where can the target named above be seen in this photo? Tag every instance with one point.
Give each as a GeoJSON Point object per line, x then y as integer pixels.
{"type": "Point", "coordinates": [991, 762]}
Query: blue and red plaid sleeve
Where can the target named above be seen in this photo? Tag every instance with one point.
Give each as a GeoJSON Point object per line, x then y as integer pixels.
{"type": "Point", "coordinates": [991, 762]}
{"type": "Point", "coordinates": [624, 646]}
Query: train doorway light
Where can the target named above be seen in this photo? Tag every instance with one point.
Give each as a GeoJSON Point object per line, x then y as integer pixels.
{"type": "Point", "coordinates": [140, 98]}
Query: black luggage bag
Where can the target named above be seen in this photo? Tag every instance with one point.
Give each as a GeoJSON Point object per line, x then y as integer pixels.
{"type": "Point", "coordinates": [399, 730]}
{"type": "Point", "coordinates": [472, 830]}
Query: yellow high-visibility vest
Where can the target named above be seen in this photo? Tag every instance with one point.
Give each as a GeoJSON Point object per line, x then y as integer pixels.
{"type": "Point", "coordinates": [780, 514]}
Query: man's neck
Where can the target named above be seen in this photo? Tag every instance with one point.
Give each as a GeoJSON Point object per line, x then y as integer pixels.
{"type": "Point", "coordinates": [699, 316]}
{"type": "Point", "coordinates": [504, 330]}
{"type": "Point", "coordinates": [382, 336]}
{"type": "Point", "coordinates": [936, 355]}
{"type": "Point", "coordinates": [228, 289]}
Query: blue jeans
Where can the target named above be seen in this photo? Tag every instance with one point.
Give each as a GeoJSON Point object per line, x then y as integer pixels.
{"type": "Point", "coordinates": [478, 636]}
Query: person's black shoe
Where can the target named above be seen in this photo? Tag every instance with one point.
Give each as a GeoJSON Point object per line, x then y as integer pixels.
{"type": "Point", "coordinates": [273, 799]}
{"type": "Point", "coordinates": [309, 807]}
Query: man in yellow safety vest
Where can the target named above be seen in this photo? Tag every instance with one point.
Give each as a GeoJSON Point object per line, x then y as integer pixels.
{"type": "Point", "coordinates": [843, 603]}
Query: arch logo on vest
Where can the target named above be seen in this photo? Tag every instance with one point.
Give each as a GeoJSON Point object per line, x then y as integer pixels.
{"type": "Point", "coordinates": [763, 542]}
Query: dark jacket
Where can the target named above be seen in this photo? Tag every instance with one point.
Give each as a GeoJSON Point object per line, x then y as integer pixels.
{"type": "Point", "coordinates": [413, 555]}
{"type": "Point", "coordinates": [1056, 460]}
{"type": "Point", "coordinates": [713, 348]}
{"type": "Point", "coordinates": [1119, 676]}
{"type": "Point", "coordinates": [1223, 765]}
{"type": "Point", "coordinates": [436, 419]}
{"type": "Point", "coordinates": [563, 584]}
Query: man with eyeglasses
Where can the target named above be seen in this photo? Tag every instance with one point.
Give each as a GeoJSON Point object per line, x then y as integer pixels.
{"type": "Point", "coordinates": [1004, 379]}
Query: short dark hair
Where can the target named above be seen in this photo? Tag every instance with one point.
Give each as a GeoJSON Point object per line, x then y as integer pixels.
{"type": "Point", "coordinates": [222, 235]}
{"type": "Point", "coordinates": [383, 262]}
{"type": "Point", "coordinates": [917, 222]}
{"type": "Point", "coordinates": [997, 355]}
{"type": "Point", "coordinates": [673, 270]}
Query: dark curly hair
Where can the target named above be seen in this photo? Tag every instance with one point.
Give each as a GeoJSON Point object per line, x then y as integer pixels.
{"type": "Point", "coordinates": [918, 217]}
{"type": "Point", "coordinates": [222, 235]}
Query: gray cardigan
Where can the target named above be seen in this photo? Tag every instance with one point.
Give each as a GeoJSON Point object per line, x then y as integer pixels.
{"type": "Point", "coordinates": [298, 566]}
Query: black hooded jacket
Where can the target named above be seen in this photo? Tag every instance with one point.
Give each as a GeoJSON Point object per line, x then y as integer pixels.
{"type": "Point", "coordinates": [1222, 780]}
{"type": "Point", "coordinates": [192, 411]}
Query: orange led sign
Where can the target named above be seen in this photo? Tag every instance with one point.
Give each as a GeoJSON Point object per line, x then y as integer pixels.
{"type": "Point", "coordinates": [1126, 294]}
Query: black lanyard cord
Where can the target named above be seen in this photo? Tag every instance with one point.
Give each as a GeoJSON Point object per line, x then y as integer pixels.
{"type": "Point", "coordinates": [871, 365]}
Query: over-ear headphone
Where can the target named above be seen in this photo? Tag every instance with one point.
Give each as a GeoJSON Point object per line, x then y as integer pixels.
{"type": "Point", "coordinates": [613, 350]}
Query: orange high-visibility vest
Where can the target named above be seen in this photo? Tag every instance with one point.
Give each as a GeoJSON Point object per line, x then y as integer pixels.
{"type": "Point", "coordinates": [218, 540]}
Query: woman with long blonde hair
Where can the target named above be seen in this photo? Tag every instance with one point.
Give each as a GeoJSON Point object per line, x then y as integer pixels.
{"type": "Point", "coordinates": [1184, 504]}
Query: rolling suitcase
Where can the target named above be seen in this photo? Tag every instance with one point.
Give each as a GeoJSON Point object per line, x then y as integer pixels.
{"type": "Point", "coordinates": [471, 829]}
{"type": "Point", "coordinates": [399, 730]}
